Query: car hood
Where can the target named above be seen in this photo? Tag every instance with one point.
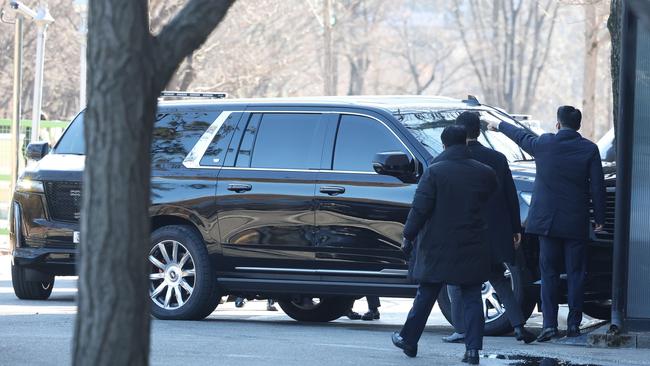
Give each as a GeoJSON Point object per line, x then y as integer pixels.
{"type": "Point", "coordinates": [58, 167]}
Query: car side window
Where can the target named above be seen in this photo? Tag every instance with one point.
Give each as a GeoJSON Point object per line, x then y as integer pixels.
{"type": "Point", "coordinates": [282, 140]}
{"type": "Point", "coordinates": [358, 139]}
{"type": "Point", "coordinates": [175, 134]}
{"type": "Point", "coordinates": [216, 151]}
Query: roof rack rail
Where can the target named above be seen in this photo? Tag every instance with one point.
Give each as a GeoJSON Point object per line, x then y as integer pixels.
{"type": "Point", "coordinates": [185, 94]}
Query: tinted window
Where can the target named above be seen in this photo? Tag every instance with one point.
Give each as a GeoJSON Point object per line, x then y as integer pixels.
{"type": "Point", "coordinates": [358, 140]}
{"type": "Point", "coordinates": [216, 152]}
{"type": "Point", "coordinates": [175, 134]}
{"type": "Point", "coordinates": [279, 140]}
{"type": "Point", "coordinates": [72, 141]}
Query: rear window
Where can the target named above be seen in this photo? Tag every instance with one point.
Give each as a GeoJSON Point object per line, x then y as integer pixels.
{"type": "Point", "coordinates": [175, 134]}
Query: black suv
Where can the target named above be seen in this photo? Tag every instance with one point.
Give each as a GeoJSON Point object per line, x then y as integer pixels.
{"type": "Point", "coordinates": [301, 200]}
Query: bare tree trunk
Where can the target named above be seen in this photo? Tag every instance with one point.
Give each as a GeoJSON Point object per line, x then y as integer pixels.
{"type": "Point", "coordinates": [614, 26]}
{"type": "Point", "coordinates": [590, 72]}
{"type": "Point", "coordinates": [127, 69]}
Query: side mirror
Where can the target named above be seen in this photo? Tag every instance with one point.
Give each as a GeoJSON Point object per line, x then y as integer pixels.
{"type": "Point", "coordinates": [394, 163]}
{"type": "Point", "coordinates": [37, 150]}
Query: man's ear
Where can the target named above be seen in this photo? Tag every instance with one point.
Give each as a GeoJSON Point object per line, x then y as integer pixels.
{"type": "Point", "coordinates": [558, 125]}
{"type": "Point", "coordinates": [444, 147]}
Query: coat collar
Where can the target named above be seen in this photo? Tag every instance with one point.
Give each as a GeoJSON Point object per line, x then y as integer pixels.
{"type": "Point", "coordinates": [567, 133]}
{"type": "Point", "coordinates": [456, 152]}
{"type": "Point", "coordinates": [474, 143]}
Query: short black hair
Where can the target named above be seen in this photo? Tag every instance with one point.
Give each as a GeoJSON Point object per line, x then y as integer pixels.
{"type": "Point", "coordinates": [471, 122]}
{"type": "Point", "coordinates": [569, 116]}
{"type": "Point", "coordinates": [454, 135]}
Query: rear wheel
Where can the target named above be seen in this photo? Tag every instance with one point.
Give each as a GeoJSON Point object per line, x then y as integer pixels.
{"type": "Point", "coordinates": [323, 309]}
{"type": "Point", "coordinates": [30, 290]}
{"type": "Point", "coordinates": [182, 284]}
{"type": "Point", "coordinates": [496, 320]}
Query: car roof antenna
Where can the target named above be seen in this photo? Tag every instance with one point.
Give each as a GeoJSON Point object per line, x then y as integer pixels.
{"type": "Point", "coordinates": [471, 100]}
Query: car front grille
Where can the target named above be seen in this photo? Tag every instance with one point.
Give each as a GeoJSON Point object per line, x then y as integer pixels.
{"type": "Point", "coordinates": [64, 200]}
{"type": "Point", "coordinates": [610, 205]}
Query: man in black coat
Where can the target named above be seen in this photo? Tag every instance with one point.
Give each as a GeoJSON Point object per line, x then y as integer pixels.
{"type": "Point", "coordinates": [569, 173]}
{"type": "Point", "coordinates": [447, 220]}
{"type": "Point", "coordinates": [504, 232]}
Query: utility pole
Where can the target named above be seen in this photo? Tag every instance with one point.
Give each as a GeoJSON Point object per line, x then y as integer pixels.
{"type": "Point", "coordinates": [81, 6]}
{"type": "Point", "coordinates": [15, 122]}
{"type": "Point", "coordinates": [42, 20]}
{"type": "Point", "coordinates": [328, 77]}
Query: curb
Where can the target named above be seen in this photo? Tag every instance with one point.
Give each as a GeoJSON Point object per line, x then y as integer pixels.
{"type": "Point", "coordinates": [603, 339]}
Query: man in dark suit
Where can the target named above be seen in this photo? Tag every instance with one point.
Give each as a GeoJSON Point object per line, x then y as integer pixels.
{"type": "Point", "coordinates": [447, 220]}
{"type": "Point", "coordinates": [504, 232]}
{"type": "Point", "coordinates": [569, 173]}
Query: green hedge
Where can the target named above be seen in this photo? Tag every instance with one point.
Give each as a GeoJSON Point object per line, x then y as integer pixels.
{"type": "Point", "coordinates": [44, 124]}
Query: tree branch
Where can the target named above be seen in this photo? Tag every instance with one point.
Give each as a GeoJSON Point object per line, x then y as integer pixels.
{"type": "Point", "coordinates": [185, 33]}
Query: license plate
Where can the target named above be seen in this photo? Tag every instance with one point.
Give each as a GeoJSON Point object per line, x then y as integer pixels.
{"type": "Point", "coordinates": [75, 237]}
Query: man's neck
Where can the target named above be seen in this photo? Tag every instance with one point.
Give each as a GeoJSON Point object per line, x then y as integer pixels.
{"type": "Point", "coordinates": [470, 140]}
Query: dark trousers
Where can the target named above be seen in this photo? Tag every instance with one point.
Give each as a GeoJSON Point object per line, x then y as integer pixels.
{"type": "Point", "coordinates": [505, 296]}
{"type": "Point", "coordinates": [423, 303]}
{"type": "Point", "coordinates": [373, 302]}
{"type": "Point", "coordinates": [550, 264]}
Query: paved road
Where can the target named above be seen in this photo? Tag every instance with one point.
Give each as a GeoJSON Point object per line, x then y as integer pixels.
{"type": "Point", "coordinates": [39, 333]}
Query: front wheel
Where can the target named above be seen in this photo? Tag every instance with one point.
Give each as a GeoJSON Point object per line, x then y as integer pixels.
{"type": "Point", "coordinates": [494, 312]}
{"type": "Point", "coordinates": [30, 290]}
{"type": "Point", "coordinates": [309, 309]}
{"type": "Point", "coordinates": [182, 283]}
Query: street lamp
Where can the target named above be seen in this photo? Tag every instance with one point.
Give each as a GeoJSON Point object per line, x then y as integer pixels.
{"type": "Point", "coordinates": [81, 7]}
{"type": "Point", "coordinates": [42, 20]}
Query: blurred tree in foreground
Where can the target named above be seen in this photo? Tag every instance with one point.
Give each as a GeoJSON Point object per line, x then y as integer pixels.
{"type": "Point", "coordinates": [128, 66]}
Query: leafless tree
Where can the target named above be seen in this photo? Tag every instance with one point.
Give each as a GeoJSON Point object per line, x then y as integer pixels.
{"type": "Point", "coordinates": [127, 68]}
{"type": "Point", "coordinates": [507, 44]}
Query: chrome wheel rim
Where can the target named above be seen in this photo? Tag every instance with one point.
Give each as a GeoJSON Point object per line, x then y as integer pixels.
{"type": "Point", "coordinates": [172, 275]}
{"type": "Point", "coordinates": [493, 308]}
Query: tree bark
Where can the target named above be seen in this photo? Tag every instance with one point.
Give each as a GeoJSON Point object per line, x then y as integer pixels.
{"type": "Point", "coordinates": [127, 69]}
{"type": "Point", "coordinates": [614, 26]}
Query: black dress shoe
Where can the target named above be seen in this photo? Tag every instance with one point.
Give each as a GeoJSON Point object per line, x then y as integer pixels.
{"type": "Point", "coordinates": [371, 315]}
{"type": "Point", "coordinates": [471, 357]}
{"type": "Point", "coordinates": [547, 334]}
{"type": "Point", "coordinates": [522, 334]}
{"type": "Point", "coordinates": [398, 341]}
{"type": "Point", "coordinates": [353, 315]}
{"type": "Point", "coordinates": [573, 331]}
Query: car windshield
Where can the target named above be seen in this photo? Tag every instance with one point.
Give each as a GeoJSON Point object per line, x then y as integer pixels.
{"type": "Point", "coordinates": [426, 127]}
{"type": "Point", "coordinates": [72, 141]}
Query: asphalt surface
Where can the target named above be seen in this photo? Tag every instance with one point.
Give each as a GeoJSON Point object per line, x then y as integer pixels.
{"type": "Point", "coordinates": [40, 333]}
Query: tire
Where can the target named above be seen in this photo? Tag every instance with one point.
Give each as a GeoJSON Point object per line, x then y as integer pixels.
{"type": "Point", "coordinates": [327, 309]}
{"type": "Point", "coordinates": [495, 323]}
{"type": "Point", "coordinates": [598, 310]}
{"type": "Point", "coordinates": [187, 276]}
{"type": "Point", "coordinates": [30, 290]}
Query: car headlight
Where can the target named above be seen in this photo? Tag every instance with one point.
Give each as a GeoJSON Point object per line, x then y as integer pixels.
{"type": "Point", "coordinates": [526, 196]}
{"type": "Point", "coordinates": [28, 185]}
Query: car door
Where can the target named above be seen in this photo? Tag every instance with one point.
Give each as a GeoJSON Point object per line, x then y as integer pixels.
{"type": "Point", "coordinates": [360, 214]}
{"type": "Point", "coordinates": [265, 193]}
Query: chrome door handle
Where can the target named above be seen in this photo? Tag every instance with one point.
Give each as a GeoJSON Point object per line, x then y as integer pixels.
{"type": "Point", "coordinates": [239, 188]}
{"type": "Point", "coordinates": [332, 190]}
